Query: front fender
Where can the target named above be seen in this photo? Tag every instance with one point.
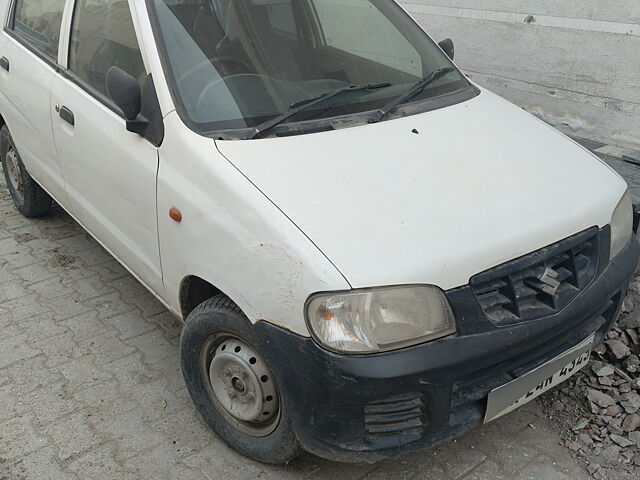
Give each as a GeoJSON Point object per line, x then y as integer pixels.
{"type": "Point", "coordinates": [232, 235]}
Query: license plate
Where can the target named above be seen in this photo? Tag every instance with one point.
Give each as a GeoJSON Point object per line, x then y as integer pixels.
{"type": "Point", "coordinates": [514, 394]}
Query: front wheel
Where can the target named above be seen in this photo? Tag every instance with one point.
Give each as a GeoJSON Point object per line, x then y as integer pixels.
{"type": "Point", "coordinates": [231, 383]}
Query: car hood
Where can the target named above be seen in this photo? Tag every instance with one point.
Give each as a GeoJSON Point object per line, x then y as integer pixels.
{"type": "Point", "coordinates": [432, 198]}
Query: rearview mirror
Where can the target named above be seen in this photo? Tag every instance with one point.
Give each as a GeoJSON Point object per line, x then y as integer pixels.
{"type": "Point", "coordinates": [125, 91]}
{"type": "Point", "coordinates": [139, 106]}
{"type": "Point", "coordinates": [447, 46]}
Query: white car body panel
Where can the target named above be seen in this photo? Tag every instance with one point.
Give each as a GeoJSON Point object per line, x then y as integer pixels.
{"type": "Point", "coordinates": [482, 183]}
{"type": "Point", "coordinates": [111, 185]}
{"type": "Point", "coordinates": [232, 236]}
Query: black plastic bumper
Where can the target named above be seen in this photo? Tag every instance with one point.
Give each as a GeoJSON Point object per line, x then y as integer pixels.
{"type": "Point", "coordinates": [367, 408]}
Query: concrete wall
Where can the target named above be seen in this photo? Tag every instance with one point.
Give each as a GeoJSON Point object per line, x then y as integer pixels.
{"type": "Point", "coordinates": [574, 63]}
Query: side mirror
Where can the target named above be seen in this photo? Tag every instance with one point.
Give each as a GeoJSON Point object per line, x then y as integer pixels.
{"type": "Point", "coordinates": [447, 46]}
{"type": "Point", "coordinates": [125, 91]}
{"type": "Point", "coordinates": [142, 111]}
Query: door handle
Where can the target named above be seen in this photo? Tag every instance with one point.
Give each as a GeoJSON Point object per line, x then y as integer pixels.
{"type": "Point", "coordinates": [4, 63]}
{"type": "Point", "coordinates": [67, 115]}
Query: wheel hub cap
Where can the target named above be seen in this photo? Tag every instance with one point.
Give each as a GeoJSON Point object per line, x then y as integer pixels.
{"type": "Point", "coordinates": [13, 172]}
{"type": "Point", "coordinates": [242, 383]}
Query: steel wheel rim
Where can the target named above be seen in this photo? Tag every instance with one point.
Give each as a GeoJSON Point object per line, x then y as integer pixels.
{"type": "Point", "coordinates": [240, 385]}
{"type": "Point", "coordinates": [13, 173]}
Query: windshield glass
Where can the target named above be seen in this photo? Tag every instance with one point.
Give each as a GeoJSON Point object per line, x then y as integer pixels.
{"type": "Point", "coordinates": [238, 63]}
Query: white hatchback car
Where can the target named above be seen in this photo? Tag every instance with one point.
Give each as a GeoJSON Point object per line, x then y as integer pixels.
{"type": "Point", "coordinates": [371, 253]}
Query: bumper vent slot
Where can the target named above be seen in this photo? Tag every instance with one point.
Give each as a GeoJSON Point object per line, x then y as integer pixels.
{"type": "Point", "coordinates": [539, 284]}
{"type": "Point", "coordinates": [400, 414]}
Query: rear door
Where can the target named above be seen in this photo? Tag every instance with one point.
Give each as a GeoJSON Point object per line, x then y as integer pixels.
{"type": "Point", "coordinates": [110, 173]}
{"type": "Point", "coordinates": [29, 47]}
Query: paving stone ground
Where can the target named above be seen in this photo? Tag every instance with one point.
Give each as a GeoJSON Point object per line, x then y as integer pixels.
{"type": "Point", "coordinates": [91, 388]}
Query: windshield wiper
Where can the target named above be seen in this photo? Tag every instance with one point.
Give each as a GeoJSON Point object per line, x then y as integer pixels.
{"type": "Point", "coordinates": [405, 97]}
{"type": "Point", "coordinates": [310, 102]}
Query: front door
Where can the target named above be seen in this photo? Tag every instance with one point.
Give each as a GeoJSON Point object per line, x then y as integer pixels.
{"type": "Point", "coordinates": [110, 173]}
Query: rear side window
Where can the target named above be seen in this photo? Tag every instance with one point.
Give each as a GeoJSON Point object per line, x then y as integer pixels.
{"type": "Point", "coordinates": [103, 36]}
{"type": "Point", "coordinates": [38, 22]}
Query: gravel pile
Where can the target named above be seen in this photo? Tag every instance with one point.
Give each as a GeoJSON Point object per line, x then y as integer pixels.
{"type": "Point", "coordinates": [598, 410]}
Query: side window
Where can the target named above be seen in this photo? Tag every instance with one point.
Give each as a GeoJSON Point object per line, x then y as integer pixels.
{"type": "Point", "coordinates": [38, 22]}
{"type": "Point", "coordinates": [102, 36]}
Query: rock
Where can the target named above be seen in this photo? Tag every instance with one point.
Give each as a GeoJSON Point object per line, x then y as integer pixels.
{"type": "Point", "coordinates": [602, 399]}
{"type": "Point", "coordinates": [585, 439]}
{"type": "Point", "coordinates": [575, 446]}
{"type": "Point", "coordinates": [629, 401]}
{"type": "Point", "coordinates": [583, 422]}
{"type": "Point", "coordinates": [602, 369]}
{"type": "Point", "coordinates": [606, 381]}
{"type": "Point", "coordinates": [557, 406]}
{"type": "Point", "coordinates": [635, 438]}
{"type": "Point", "coordinates": [636, 383]}
{"type": "Point", "coordinates": [619, 440]}
{"type": "Point", "coordinates": [614, 429]}
{"type": "Point", "coordinates": [593, 468]}
{"type": "Point", "coordinates": [631, 423]}
{"type": "Point", "coordinates": [624, 387]}
{"type": "Point", "coordinates": [631, 321]}
{"type": "Point", "coordinates": [618, 348]}
{"type": "Point", "coordinates": [627, 305]}
{"type": "Point", "coordinates": [611, 453]}
{"type": "Point", "coordinates": [614, 410]}
{"type": "Point", "coordinates": [601, 349]}
{"type": "Point", "coordinates": [631, 364]}
{"type": "Point", "coordinates": [623, 375]}
{"type": "Point", "coordinates": [636, 459]}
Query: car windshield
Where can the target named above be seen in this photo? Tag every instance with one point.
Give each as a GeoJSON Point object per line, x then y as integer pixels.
{"type": "Point", "coordinates": [238, 63]}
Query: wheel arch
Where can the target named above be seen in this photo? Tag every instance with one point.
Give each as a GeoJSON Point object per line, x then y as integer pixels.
{"type": "Point", "coordinates": [193, 291]}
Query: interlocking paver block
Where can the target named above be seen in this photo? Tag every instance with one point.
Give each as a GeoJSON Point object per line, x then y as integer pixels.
{"type": "Point", "coordinates": [85, 326]}
{"type": "Point", "coordinates": [131, 434]}
{"type": "Point", "coordinates": [38, 465]}
{"type": "Point", "coordinates": [81, 373]}
{"type": "Point", "coordinates": [154, 346]}
{"type": "Point", "coordinates": [100, 464]}
{"type": "Point", "coordinates": [73, 435]}
{"type": "Point", "coordinates": [29, 375]}
{"type": "Point", "coordinates": [51, 403]}
{"type": "Point", "coordinates": [129, 325]}
{"type": "Point", "coordinates": [18, 438]}
{"type": "Point", "coordinates": [15, 349]}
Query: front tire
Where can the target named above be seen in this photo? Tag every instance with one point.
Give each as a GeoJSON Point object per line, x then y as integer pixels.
{"type": "Point", "coordinates": [29, 197]}
{"type": "Point", "coordinates": [231, 384]}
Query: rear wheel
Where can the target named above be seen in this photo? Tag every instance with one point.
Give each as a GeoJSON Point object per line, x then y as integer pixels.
{"type": "Point", "coordinates": [29, 198]}
{"type": "Point", "coordinates": [232, 385]}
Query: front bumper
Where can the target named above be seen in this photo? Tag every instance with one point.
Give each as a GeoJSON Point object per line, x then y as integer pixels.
{"type": "Point", "coordinates": [367, 408]}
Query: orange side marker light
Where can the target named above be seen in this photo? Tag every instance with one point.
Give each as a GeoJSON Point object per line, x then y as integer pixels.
{"type": "Point", "coordinates": [175, 214]}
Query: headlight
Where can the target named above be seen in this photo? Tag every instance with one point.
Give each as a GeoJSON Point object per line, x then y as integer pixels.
{"type": "Point", "coordinates": [379, 319]}
{"type": "Point", "coordinates": [621, 225]}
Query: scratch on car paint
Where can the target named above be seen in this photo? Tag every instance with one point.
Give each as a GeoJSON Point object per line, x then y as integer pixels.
{"type": "Point", "coordinates": [283, 280]}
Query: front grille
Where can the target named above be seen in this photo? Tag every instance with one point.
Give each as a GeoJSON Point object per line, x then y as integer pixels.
{"type": "Point", "coordinates": [400, 414]}
{"type": "Point", "coordinates": [538, 284]}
